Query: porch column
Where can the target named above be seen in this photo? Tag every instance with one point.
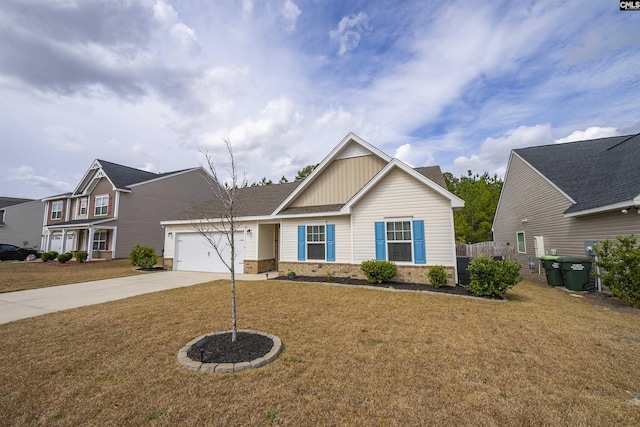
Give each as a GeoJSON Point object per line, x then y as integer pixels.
{"type": "Point", "coordinates": [90, 244]}
{"type": "Point", "coordinates": [64, 240]}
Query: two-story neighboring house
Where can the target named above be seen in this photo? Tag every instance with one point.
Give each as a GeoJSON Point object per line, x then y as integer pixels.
{"type": "Point", "coordinates": [21, 221]}
{"type": "Point", "coordinates": [115, 207]}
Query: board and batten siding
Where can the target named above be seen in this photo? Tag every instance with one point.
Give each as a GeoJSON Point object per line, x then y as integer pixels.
{"type": "Point", "coordinates": [400, 195]}
{"type": "Point", "coordinates": [527, 195]}
{"type": "Point", "coordinates": [289, 237]}
{"type": "Point", "coordinates": [340, 181]}
{"type": "Point", "coordinates": [141, 210]}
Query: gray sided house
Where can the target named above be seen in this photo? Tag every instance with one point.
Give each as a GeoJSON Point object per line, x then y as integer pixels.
{"type": "Point", "coordinates": [558, 196]}
{"type": "Point", "coordinates": [115, 207]}
{"type": "Point", "coordinates": [358, 204]}
{"type": "Point", "coordinates": [21, 222]}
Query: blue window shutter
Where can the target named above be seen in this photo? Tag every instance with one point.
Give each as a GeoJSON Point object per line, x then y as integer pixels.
{"type": "Point", "coordinates": [381, 249]}
{"type": "Point", "coordinates": [331, 242]}
{"type": "Point", "coordinates": [302, 242]}
{"type": "Point", "coordinates": [419, 255]}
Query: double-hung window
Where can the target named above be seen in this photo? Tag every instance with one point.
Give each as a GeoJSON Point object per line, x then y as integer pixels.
{"type": "Point", "coordinates": [56, 210]}
{"type": "Point", "coordinates": [522, 246]}
{"type": "Point", "coordinates": [83, 206]}
{"type": "Point", "coordinates": [399, 241]}
{"type": "Point", "coordinates": [102, 206]}
{"type": "Point", "coordinates": [100, 241]}
{"type": "Point", "coordinates": [315, 242]}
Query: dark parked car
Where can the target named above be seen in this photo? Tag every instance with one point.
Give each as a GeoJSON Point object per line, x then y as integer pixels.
{"type": "Point", "coordinates": [11, 252]}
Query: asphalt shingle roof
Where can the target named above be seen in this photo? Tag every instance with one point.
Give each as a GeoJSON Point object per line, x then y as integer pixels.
{"type": "Point", "coordinates": [10, 201]}
{"type": "Point", "coordinates": [594, 173]}
{"type": "Point", "coordinates": [250, 201]}
{"type": "Point", "coordinates": [123, 176]}
{"type": "Point", "coordinates": [434, 174]}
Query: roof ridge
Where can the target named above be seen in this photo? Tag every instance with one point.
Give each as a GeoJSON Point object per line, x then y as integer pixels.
{"type": "Point", "coordinates": [623, 141]}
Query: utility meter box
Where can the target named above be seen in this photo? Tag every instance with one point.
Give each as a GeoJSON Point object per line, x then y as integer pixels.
{"type": "Point", "coordinates": [589, 247]}
{"type": "Point", "coordinates": [538, 244]}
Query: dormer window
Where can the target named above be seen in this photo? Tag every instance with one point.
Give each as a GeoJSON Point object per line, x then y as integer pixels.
{"type": "Point", "coordinates": [56, 210]}
{"type": "Point", "coordinates": [102, 205]}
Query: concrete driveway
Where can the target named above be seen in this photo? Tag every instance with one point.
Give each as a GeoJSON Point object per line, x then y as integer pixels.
{"type": "Point", "coordinates": [35, 302]}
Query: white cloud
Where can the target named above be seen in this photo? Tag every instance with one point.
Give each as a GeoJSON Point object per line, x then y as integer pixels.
{"type": "Point", "coordinates": [404, 153]}
{"type": "Point", "coordinates": [64, 139]}
{"type": "Point", "coordinates": [494, 152]}
{"type": "Point", "coordinates": [349, 31]}
{"type": "Point", "coordinates": [290, 13]}
{"type": "Point", "coordinates": [593, 132]}
{"type": "Point", "coordinates": [27, 176]}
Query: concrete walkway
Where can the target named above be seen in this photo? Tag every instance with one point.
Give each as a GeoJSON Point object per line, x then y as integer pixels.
{"type": "Point", "coordinates": [35, 302]}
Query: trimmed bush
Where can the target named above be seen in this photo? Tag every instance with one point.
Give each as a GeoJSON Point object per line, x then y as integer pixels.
{"type": "Point", "coordinates": [62, 258]}
{"type": "Point", "coordinates": [493, 278]}
{"type": "Point", "coordinates": [378, 271]}
{"type": "Point", "coordinates": [620, 263]}
{"type": "Point", "coordinates": [437, 276]}
{"type": "Point", "coordinates": [48, 256]}
{"type": "Point", "coordinates": [144, 257]}
{"type": "Point", "coordinates": [81, 256]}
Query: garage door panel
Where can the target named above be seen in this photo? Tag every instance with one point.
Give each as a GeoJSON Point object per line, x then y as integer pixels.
{"type": "Point", "coordinates": [194, 253]}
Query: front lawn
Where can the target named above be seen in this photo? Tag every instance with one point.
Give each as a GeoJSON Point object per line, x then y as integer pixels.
{"type": "Point", "coordinates": [351, 356]}
{"type": "Point", "coordinates": [18, 276]}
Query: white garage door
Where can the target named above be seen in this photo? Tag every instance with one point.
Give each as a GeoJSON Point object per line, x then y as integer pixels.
{"type": "Point", "coordinates": [55, 243]}
{"type": "Point", "coordinates": [193, 253]}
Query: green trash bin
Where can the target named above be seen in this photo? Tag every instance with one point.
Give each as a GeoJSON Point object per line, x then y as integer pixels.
{"type": "Point", "coordinates": [552, 270]}
{"type": "Point", "coordinates": [576, 272]}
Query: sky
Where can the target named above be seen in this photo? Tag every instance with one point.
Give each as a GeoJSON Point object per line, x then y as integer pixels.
{"type": "Point", "coordinates": [154, 84]}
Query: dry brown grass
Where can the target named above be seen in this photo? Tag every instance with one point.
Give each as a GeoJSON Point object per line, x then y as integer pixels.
{"type": "Point", "coordinates": [18, 276]}
{"type": "Point", "coordinates": [351, 357]}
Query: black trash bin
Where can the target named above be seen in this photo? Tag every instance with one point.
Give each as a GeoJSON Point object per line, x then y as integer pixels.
{"type": "Point", "coordinates": [462, 264]}
{"type": "Point", "coordinates": [576, 272]}
{"type": "Point", "coordinates": [552, 270]}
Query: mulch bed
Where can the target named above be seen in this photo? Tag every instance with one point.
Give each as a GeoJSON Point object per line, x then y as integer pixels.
{"type": "Point", "coordinates": [220, 348]}
{"type": "Point", "coordinates": [452, 290]}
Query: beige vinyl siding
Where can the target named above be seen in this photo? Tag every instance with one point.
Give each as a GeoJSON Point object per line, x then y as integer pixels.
{"type": "Point", "coordinates": [266, 236]}
{"type": "Point", "coordinates": [400, 195]}
{"type": "Point", "coordinates": [340, 181]}
{"type": "Point", "coordinates": [527, 195]}
{"type": "Point", "coordinates": [289, 241]}
{"type": "Point", "coordinates": [141, 211]}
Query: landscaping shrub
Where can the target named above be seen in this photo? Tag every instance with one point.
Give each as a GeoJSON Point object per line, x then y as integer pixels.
{"type": "Point", "coordinates": [493, 278]}
{"type": "Point", "coordinates": [620, 260]}
{"type": "Point", "coordinates": [437, 276]}
{"type": "Point", "coordinates": [143, 257]}
{"type": "Point", "coordinates": [378, 271]}
{"type": "Point", "coordinates": [48, 256]}
{"type": "Point", "coordinates": [81, 256]}
{"type": "Point", "coordinates": [62, 258]}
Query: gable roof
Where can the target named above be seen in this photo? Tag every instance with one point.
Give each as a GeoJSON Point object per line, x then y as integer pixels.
{"type": "Point", "coordinates": [351, 138]}
{"type": "Point", "coordinates": [596, 175]}
{"type": "Point", "coordinates": [121, 177]}
{"type": "Point", "coordinates": [456, 202]}
{"type": "Point", "coordinates": [10, 201]}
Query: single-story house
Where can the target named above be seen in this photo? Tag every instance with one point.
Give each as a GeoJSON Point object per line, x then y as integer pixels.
{"type": "Point", "coordinates": [557, 197]}
{"type": "Point", "coordinates": [115, 207]}
{"type": "Point", "coordinates": [358, 204]}
{"type": "Point", "coordinates": [21, 222]}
